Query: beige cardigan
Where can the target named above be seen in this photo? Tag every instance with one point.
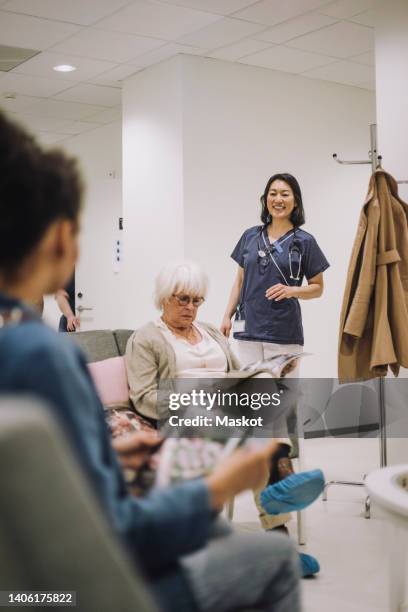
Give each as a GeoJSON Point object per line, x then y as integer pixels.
{"type": "Point", "coordinates": [150, 358]}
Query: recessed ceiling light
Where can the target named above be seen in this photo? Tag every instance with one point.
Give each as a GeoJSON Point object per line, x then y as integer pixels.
{"type": "Point", "coordinates": [64, 68]}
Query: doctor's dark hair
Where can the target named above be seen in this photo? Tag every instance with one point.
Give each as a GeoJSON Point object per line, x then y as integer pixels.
{"type": "Point", "coordinates": [37, 188]}
{"type": "Point", "coordinates": [298, 214]}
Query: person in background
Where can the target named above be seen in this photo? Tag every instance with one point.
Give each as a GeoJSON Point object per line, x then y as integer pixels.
{"type": "Point", "coordinates": [191, 561]}
{"type": "Point", "coordinates": [65, 298]}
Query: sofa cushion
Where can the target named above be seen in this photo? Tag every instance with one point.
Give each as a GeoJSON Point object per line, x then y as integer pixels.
{"type": "Point", "coordinates": [110, 378]}
{"type": "Point", "coordinates": [96, 344]}
{"type": "Point", "coordinates": [121, 337]}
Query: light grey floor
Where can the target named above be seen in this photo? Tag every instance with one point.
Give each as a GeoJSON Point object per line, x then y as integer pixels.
{"type": "Point", "coordinates": [351, 549]}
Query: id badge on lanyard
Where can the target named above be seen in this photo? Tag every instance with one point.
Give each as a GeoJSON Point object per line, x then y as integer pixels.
{"type": "Point", "coordinates": [238, 324]}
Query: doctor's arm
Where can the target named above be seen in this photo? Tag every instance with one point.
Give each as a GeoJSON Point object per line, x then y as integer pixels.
{"type": "Point", "coordinates": [312, 290]}
{"type": "Point", "coordinates": [232, 302]}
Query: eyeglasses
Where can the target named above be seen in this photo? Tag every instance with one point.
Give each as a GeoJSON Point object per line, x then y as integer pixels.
{"type": "Point", "coordinates": [184, 300]}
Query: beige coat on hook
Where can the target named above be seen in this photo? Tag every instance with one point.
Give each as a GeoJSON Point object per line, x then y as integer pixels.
{"type": "Point", "coordinates": [374, 315]}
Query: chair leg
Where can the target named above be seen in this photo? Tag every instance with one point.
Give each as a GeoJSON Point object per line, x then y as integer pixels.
{"type": "Point", "coordinates": [301, 528]}
{"type": "Point", "coordinates": [230, 509]}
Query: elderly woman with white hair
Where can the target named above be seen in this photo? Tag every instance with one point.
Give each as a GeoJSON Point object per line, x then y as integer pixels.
{"type": "Point", "coordinates": [175, 345]}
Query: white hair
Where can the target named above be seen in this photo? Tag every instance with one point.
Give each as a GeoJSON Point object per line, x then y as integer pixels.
{"type": "Point", "coordinates": [182, 277]}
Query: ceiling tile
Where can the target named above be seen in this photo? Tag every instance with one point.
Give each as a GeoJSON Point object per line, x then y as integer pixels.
{"type": "Point", "coordinates": [108, 115]}
{"type": "Point", "coordinates": [63, 110]}
{"type": "Point", "coordinates": [342, 39]}
{"type": "Point", "coordinates": [113, 46]}
{"type": "Point", "coordinates": [43, 63]}
{"type": "Point", "coordinates": [368, 18]}
{"type": "Point", "coordinates": [114, 78]}
{"type": "Point", "coordinates": [220, 7]}
{"type": "Point", "coordinates": [92, 94]}
{"type": "Point", "coordinates": [78, 127]}
{"type": "Point", "coordinates": [31, 86]}
{"type": "Point", "coordinates": [288, 60]}
{"type": "Point", "coordinates": [49, 139]}
{"type": "Point", "coordinates": [347, 73]}
{"type": "Point", "coordinates": [271, 12]}
{"type": "Point", "coordinates": [82, 12]}
{"type": "Point", "coordinates": [239, 49]}
{"type": "Point", "coordinates": [224, 32]}
{"type": "Point", "coordinates": [169, 50]}
{"type": "Point", "coordinates": [295, 27]}
{"type": "Point", "coordinates": [343, 9]}
{"type": "Point", "coordinates": [365, 58]}
{"type": "Point", "coordinates": [23, 31]}
{"type": "Point", "coordinates": [47, 124]}
{"type": "Point", "coordinates": [152, 18]}
{"type": "Point", "coordinates": [17, 104]}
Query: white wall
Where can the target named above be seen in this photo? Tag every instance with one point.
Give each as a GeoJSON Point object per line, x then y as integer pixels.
{"type": "Point", "coordinates": [152, 183]}
{"type": "Point", "coordinates": [100, 156]}
{"type": "Point", "coordinates": [241, 125]}
{"type": "Point", "coordinates": [200, 139]}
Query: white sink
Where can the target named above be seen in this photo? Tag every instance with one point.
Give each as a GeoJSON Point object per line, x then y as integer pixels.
{"type": "Point", "coordinates": [388, 489]}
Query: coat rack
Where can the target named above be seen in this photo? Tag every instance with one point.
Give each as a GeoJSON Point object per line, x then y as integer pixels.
{"type": "Point", "coordinates": [375, 161]}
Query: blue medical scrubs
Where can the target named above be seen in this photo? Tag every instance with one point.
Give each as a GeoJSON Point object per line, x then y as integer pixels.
{"type": "Point", "coordinates": [268, 320]}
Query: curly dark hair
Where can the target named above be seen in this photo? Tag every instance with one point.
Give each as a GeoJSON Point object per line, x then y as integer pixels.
{"type": "Point", "coordinates": [37, 187]}
{"type": "Point", "coordinates": [298, 214]}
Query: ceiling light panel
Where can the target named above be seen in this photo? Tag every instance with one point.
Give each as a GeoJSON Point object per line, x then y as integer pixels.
{"type": "Point", "coordinates": [114, 46]}
{"type": "Point", "coordinates": [151, 18]}
{"type": "Point", "coordinates": [288, 60]}
{"type": "Point", "coordinates": [343, 39]}
{"type": "Point", "coordinates": [220, 7]}
{"type": "Point", "coordinates": [271, 12]}
{"type": "Point", "coordinates": [23, 31]}
{"type": "Point", "coordinates": [295, 27]}
{"type": "Point", "coordinates": [82, 12]}
{"type": "Point", "coordinates": [92, 94]}
{"type": "Point", "coordinates": [219, 34]}
{"type": "Point", "coordinates": [10, 57]}
{"type": "Point", "coordinates": [44, 63]}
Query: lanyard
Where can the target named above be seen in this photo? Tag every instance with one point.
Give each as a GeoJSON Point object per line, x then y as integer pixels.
{"type": "Point", "coordinates": [273, 259]}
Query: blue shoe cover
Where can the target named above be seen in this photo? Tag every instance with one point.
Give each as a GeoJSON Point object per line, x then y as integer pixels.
{"type": "Point", "coordinates": [309, 566]}
{"type": "Point", "coordinates": [293, 493]}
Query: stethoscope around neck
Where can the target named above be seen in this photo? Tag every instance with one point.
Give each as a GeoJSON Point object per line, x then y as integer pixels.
{"type": "Point", "coordinates": [295, 247]}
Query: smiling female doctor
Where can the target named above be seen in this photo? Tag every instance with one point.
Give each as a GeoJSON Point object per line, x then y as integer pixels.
{"type": "Point", "coordinates": [273, 259]}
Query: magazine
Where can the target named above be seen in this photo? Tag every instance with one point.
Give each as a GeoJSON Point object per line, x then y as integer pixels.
{"type": "Point", "coordinates": [279, 365]}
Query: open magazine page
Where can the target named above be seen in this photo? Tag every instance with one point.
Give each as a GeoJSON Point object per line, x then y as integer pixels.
{"type": "Point", "coordinates": [278, 366]}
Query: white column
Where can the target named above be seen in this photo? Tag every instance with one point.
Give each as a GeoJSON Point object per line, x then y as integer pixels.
{"type": "Point", "coordinates": [152, 184]}
{"type": "Point", "coordinates": [391, 48]}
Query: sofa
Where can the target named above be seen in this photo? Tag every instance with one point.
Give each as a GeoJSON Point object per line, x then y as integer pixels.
{"type": "Point", "coordinates": [102, 344]}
